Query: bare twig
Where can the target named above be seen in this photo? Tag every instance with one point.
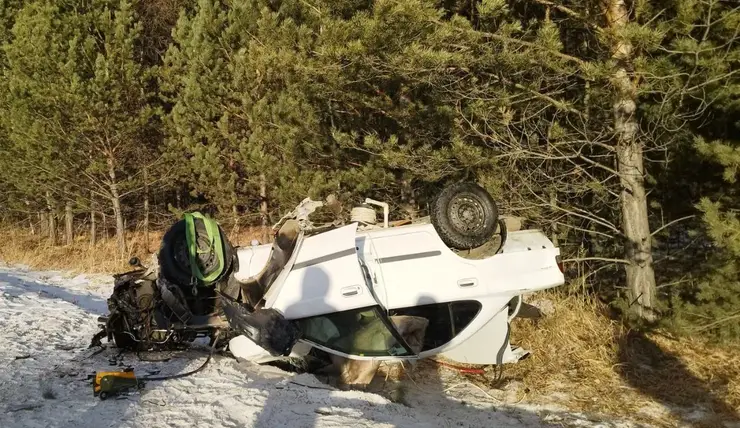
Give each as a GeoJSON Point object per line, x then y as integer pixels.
{"type": "Point", "coordinates": [597, 259]}
{"type": "Point", "coordinates": [670, 223]}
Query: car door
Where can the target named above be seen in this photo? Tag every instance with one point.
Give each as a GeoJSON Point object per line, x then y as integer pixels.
{"type": "Point", "coordinates": [328, 292]}
{"type": "Point", "coordinates": [324, 276]}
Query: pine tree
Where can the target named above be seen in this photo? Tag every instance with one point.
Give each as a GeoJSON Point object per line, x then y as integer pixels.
{"type": "Point", "coordinates": [37, 113]}
{"type": "Point", "coordinates": [117, 111]}
{"type": "Point", "coordinates": [711, 306]}
{"type": "Point", "coordinates": [78, 102]}
{"type": "Point", "coordinates": [194, 80]}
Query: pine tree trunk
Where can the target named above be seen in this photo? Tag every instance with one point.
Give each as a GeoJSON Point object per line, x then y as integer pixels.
{"type": "Point", "coordinates": [93, 230]}
{"type": "Point", "coordinates": [43, 223]}
{"type": "Point", "coordinates": [52, 219]}
{"type": "Point", "coordinates": [68, 224]}
{"type": "Point", "coordinates": [31, 224]}
{"type": "Point", "coordinates": [120, 237]}
{"type": "Point", "coordinates": [146, 210]}
{"type": "Point", "coordinates": [408, 202]}
{"type": "Point", "coordinates": [263, 208]}
{"type": "Point", "coordinates": [53, 237]}
{"type": "Point", "coordinates": [633, 198]}
{"type": "Point", "coordinates": [117, 213]}
{"type": "Point", "coordinates": [105, 225]}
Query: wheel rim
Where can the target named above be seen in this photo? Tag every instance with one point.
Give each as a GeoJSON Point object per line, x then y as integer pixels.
{"type": "Point", "coordinates": [467, 214]}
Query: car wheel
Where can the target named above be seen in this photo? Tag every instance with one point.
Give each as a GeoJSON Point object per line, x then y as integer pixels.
{"type": "Point", "coordinates": [464, 215]}
{"type": "Point", "coordinates": [174, 262]}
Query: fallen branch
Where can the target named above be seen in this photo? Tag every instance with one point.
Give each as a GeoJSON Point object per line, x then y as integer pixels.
{"type": "Point", "coordinates": [20, 407]}
{"type": "Point", "coordinates": [597, 259]}
{"type": "Point", "coordinates": [326, 388]}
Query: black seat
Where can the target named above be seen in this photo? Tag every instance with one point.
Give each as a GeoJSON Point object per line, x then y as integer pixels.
{"type": "Point", "coordinates": [254, 288]}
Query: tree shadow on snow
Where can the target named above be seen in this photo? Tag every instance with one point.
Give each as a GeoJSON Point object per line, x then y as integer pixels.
{"type": "Point", "coordinates": [17, 286]}
{"type": "Point", "coordinates": [664, 377]}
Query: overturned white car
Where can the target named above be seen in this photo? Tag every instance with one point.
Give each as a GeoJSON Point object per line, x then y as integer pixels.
{"type": "Point", "coordinates": [362, 290]}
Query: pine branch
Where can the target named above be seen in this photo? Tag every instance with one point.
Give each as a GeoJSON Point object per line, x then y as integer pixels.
{"type": "Point", "coordinates": [523, 43]}
{"type": "Point", "coordinates": [733, 316]}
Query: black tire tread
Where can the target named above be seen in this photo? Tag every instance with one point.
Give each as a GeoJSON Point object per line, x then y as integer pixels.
{"type": "Point", "coordinates": [447, 232]}
{"type": "Point", "coordinates": [181, 274]}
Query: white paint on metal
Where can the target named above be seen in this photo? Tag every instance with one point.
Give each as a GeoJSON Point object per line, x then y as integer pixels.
{"type": "Point", "coordinates": [326, 277]}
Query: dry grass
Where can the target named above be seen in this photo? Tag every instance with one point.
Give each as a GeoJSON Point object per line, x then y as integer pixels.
{"type": "Point", "coordinates": [585, 361]}
{"type": "Point", "coordinates": [103, 257]}
{"type": "Point", "coordinates": [582, 359]}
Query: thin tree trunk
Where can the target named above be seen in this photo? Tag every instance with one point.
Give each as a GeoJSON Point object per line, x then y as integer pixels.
{"type": "Point", "coordinates": [105, 225]}
{"type": "Point", "coordinates": [52, 219]}
{"type": "Point", "coordinates": [43, 223]}
{"type": "Point", "coordinates": [633, 198]}
{"type": "Point", "coordinates": [263, 208]}
{"type": "Point", "coordinates": [93, 230]}
{"type": "Point", "coordinates": [408, 202]}
{"type": "Point", "coordinates": [117, 213]}
{"type": "Point", "coordinates": [31, 224]}
{"type": "Point", "coordinates": [68, 224]}
{"type": "Point", "coordinates": [146, 210]}
{"type": "Point", "coordinates": [555, 231]}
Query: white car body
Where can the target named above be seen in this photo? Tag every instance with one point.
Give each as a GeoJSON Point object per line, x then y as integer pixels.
{"type": "Point", "coordinates": [347, 269]}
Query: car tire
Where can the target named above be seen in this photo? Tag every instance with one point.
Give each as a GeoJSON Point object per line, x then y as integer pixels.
{"type": "Point", "coordinates": [174, 263]}
{"type": "Point", "coordinates": [464, 215]}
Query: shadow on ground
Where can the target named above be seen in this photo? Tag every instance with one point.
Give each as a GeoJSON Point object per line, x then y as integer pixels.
{"type": "Point", "coordinates": [666, 379]}
{"type": "Point", "coordinates": [18, 285]}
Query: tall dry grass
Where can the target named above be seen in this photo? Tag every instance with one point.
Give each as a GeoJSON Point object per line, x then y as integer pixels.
{"type": "Point", "coordinates": [20, 246]}
{"type": "Point", "coordinates": [584, 360]}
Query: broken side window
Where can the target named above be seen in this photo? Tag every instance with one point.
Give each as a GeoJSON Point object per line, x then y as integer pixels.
{"type": "Point", "coordinates": [446, 320]}
{"type": "Point", "coordinates": [362, 332]}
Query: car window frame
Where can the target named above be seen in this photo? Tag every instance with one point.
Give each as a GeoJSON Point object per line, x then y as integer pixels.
{"type": "Point", "coordinates": [380, 313]}
{"type": "Point", "coordinates": [449, 305]}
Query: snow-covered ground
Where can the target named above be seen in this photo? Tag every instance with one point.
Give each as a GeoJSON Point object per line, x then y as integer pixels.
{"type": "Point", "coordinates": [48, 318]}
